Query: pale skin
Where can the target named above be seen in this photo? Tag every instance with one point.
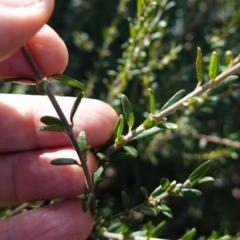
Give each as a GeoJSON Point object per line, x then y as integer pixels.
{"type": "Point", "coordinates": [26, 174]}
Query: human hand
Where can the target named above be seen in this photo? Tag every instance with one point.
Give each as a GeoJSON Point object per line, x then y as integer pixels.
{"type": "Point", "coordinates": [26, 174]}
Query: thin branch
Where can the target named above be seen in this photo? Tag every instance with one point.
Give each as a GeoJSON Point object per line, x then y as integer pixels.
{"type": "Point", "coordinates": [63, 119]}
{"type": "Point", "coordinates": [218, 140]}
{"type": "Point", "coordinates": [158, 117]}
{"type": "Point", "coordinates": [120, 236]}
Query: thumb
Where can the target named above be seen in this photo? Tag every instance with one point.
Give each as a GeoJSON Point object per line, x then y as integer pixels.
{"type": "Point", "coordinates": [19, 21]}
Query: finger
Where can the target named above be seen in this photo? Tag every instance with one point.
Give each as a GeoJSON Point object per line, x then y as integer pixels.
{"type": "Point", "coordinates": [20, 118]}
{"type": "Point", "coordinates": [47, 49]}
{"type": "Point", "coordinates": [19, 21]}
{"type": "Point", "coordinates": [29, 176]}
{"type": "Point", "coordinates": [64, 220]}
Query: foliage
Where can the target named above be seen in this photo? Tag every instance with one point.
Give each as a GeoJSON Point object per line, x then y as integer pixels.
{"type": "Point", "coordinates": [145, 56]}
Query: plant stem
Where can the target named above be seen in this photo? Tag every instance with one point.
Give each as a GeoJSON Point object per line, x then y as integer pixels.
{"type": "Point", "coordinates": [158, 117]}
{"type": "Point", "coordinates": [62, 117]}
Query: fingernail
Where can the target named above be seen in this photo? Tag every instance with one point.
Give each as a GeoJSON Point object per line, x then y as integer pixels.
{"type": "Point", "coordinates": [22, 3]}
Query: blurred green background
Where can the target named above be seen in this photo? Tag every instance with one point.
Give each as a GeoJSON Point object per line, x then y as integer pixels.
{"type": "Point", "coordinates": [96, 33]}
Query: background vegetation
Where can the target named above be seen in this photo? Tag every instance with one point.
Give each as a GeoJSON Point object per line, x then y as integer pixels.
{"type": "Point", "coordinates": [162, 57]}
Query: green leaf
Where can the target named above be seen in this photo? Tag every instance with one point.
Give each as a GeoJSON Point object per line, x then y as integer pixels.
{"type": "Point", "coordinates": [52, 128]}
{"type": "Point", "coordinates": [86, 202]}
{"type": "Point", "coordinates": [119, 129]}
{"type": "Point", "coordinates": [144, 192]}
{"type": "Point", "coordinates": [199, 66]}
{"type": "Point", "coordinates": [177, 96]}
{"type": "Point", "coordinates": [157, 191]}
{"type": "Point", "coordinates": [223, 84]}
{"type": "Point", "coordinates": [152, 101]}
{"type": "Point", "coordinates": [169, 126]}
{"type": "Point", "coordinates": [125, 200]}
{"type": "Point", "coordinates": [64, 161]}
{"type": "Point", "coordinates": [165, 210]}
{"type": "Point", "coordinates": [48, 120]}
{"type": "Point", "coordinates": [139, 234]}
{"type": "Point", "coordinates": [149, 123]}
{"type": "Point", "coordinates": [131, 150]}
{"type": "Point", "coordinates": [21, 80]}
{"type": "Point", "coordinates": [75, 105]}
{"type": "Point", "coordinates": [104, 204]}
{"type": "Point", "coordinates": [149, 133]}
{"type": "Point", "coordinates": [194, 100]}
{"type": "Point", "coordinates": [97, 174]}
{"type": "Point", "coordinates": [116, 227]}
{"type": "Point", "coordinates": [149, 211]}
{"type": "Point", "coordinates": [101, 157]}
{"type": "Point", "coordinates": [42, 86]}
{"type": "Point", "coordinates": [68, 80]}
{"type": "Point", "coordinates": [189, 192]}
{"type": "Point", "coordinates": [120, 156]}
{"type": "Point", "coordinates": [128, 111]}
{"type": "Point", "coordinates": [213, 66]}
{"type": "Point", "coordinates": [199, 172]}
{"type": "Point", "coordinates": [189, 234]}
{"type": "Point", "coordinates": [227, 59]}
{"type": "Point", "coordinates": [165, 183]}
{"type": "Point", "coordinates": [205, 180]}
{"type": "Point", "coordinates": [82, 142]}
{"type": "Point", "coordinates": [157, 231]}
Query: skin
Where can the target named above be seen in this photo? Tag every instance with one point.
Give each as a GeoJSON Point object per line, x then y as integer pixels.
{"type": "Point", "coordinates": [25, 154]}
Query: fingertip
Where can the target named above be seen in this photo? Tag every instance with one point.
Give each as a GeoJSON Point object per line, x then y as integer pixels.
{"type": "Point", "coordinates": [19, 23]}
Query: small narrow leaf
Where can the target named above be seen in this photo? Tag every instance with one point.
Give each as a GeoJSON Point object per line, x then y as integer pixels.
{"type": "Point", "coordinates": [213, 66]}
{"type": "Point", "coordinates": [128, 111]}
{"type": "Point", "coordinates": [68, 80]}
{"type": "Point", "coordinates": [144, 192]}
{"type": "Point", "coordinates": [115, 227]}
{"type": "Point", "coordinates": [165, 210]}
{"type": "Point", "coordinates": [199, 66]}
{"type": "Point", "coordinates": [157, 191]}
{"type": "Point", "coordinates": [157, 231]}
{"type": "Point", "coordinates": [52, 128]}
{"type": "Point", "coordinates": [125, 200]}
{"type": "Point", "coordinates": [48, 120]}
{"type": "Point", "coordinates": [82, 142]}
{"type": "Point", "coordinates": [177, 96]}
{"type": "Point", "coordinates": [165, 183]}
{"type": "Point", "coordinates": [223, 84]}
{"type": "Point", "coordinates": [104, 204]}
{"type": "Point", "coordinates": [75, 106]}
{"type": "Point", "coordinates": [42, 86]}
{"type": "Point", "coordinates": [189, 192]}
{"type": "Point", "coordinates": [101, 157]}
{"type": "Point", "coordinates": [227, 59]}
{"type": "Point", "coordinates": [149, 133]}
{"type": "Point", "coordinates": [189, 234]}
{"type": "Point", "coordinates": [131, 150]}
{"type": "Point", "coordinates": [64, 161]}
{"type": "Point", "coordinates": [149, 123]}
{"type": "Point", "coordinates": [120, 156]}
{"type": "Point", "coordinates": [86, 202]}
{"type": "Point", "coordinates": [152, 101]}
{"type": "Point", "coordinates": [97, 174]}
{"type": "Point", "coordinates": [205, 180]}
{"type": "Point", "coordinates": [119, 130]}
{"type": "Point", "coordinates": [149, 211]}
{"type": "Point", "coordinates": [200, 171]}
{"type": "Point", "coordinates": [169, 126]}
{"type": "Point", "coordinates": [194, 100]}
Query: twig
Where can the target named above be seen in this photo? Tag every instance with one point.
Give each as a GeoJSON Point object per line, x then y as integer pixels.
{"type": "Point", "coordinates": [63, 119]}
{"type": "Point", "coordinates": [158, 117]}
{"type": "Point", "coordinates": [120, 236]}
{"type": "Point", "coordinates": [218, 140]}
